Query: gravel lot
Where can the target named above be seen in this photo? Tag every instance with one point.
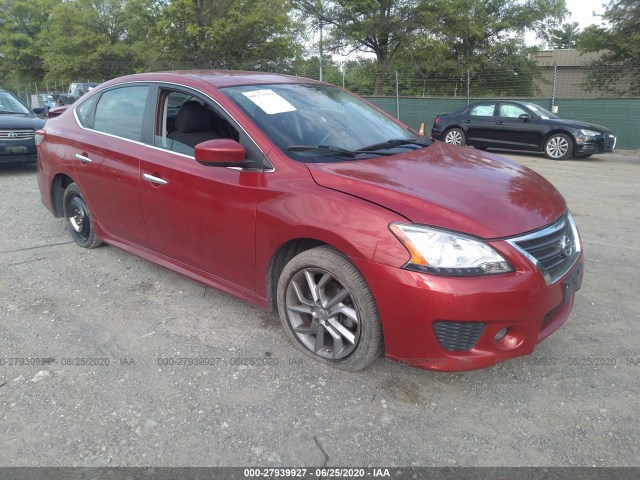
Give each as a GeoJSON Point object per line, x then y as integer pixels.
{"type": "Point", "coordinates": [574, 403]}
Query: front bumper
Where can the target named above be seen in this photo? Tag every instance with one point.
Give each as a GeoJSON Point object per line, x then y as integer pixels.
{"type": "Point", "coordinates": [17, 151]}
{"type": "Point", "coordinates": [434, 322]}
{"type": "Point", "coordinates": [600, 144]}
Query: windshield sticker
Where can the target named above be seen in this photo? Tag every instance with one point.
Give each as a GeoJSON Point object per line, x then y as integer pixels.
{"type": "Point", "coordinates": [269, 101]}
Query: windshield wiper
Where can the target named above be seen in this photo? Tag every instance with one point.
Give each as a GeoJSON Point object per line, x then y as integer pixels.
{"type": "Point", "coordinates": [14, 113]}
{"type": "Point", "coordinates": [332, 149]}
{"type": "Point", "coordinates": [394, 143]}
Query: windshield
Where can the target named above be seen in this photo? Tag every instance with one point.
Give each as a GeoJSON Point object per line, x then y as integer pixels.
{"type": "Point", "coordinates": [10, 104]}
{"type": "Point", "coordinates": [541, 112]}
{"type": "Point", "coordinates": [321, 123]}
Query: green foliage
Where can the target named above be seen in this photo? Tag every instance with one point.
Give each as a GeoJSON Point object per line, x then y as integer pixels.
{"type": "Point", "coordinates": [225, 34]}
{"type": "Point", "coordinates": [618, 70]}
{"type": "Point", "coordinates": [87, 41]}
{"type": "Point", "coordinates": [563, 36]}
{"type": "Point", "coordinates": [21, 25]}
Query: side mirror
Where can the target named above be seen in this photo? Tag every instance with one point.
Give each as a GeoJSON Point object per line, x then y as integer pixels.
{"type": "Point", "coordinates": [221, 152]}
{"type": "Point", "coordinates": [525, 116]}
{"type": "Point", "coordinates": [38, 111]}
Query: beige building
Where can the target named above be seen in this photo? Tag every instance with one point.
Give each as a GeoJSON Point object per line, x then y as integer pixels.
{"type": "Point", "coordinates": [573, 69]}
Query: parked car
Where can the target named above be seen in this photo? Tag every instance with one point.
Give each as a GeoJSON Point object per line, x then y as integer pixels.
{"type": "Point", "coordinates": [300, 197]}
{"type": "Point", "coordinates": [17, 130]}
{"type": "Point", "coordinates": [76, 90]}
{"type": "Point", "coordinates": [43, 102]}
{"type": "Point", "coordinates": [522, 126]}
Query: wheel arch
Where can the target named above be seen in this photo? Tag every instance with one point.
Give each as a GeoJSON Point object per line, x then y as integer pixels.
{"type": "Point", "coordinates": [58, 186]}
{"type": "Point", "coordinates": [280, 258]}
{"type": "Point", "coordinates": [555, 131]}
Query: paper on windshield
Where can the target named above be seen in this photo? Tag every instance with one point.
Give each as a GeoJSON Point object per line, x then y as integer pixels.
{"type": "Point", "coordinates": [269, 101]}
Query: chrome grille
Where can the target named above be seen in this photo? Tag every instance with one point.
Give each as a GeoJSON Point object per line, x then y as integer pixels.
{"type": "Point", "coordinates": [22, 134]}
{"type": "Point", "coordinates": [553, 249]}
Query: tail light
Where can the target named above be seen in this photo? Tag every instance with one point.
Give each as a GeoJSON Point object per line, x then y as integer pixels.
{"type": "Point", "coordinates": [40, 134]}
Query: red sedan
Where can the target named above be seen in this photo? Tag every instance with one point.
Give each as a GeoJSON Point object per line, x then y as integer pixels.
{"type": "Point", "coordinates": [303, 198]}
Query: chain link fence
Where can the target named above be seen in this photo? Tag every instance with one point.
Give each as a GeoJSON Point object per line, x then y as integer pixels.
{"type": "Point", "coordinates": [607, 95]}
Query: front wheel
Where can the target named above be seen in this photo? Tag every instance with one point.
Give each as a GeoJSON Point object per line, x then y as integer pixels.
{"type": "Point", "coordinates": [78, 217]}
{"type": "Point", "coordinates": [455, 136]}
{"type": "Point", "coordinates": [558, 146]}
{"type": "Point", "coordinates": [328, 311]}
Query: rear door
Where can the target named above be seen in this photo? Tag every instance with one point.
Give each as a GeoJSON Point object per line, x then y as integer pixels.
{"type": "Point", "coordinates": [106, 158]}
{"type": "Point", "coordinates": [479, 123]}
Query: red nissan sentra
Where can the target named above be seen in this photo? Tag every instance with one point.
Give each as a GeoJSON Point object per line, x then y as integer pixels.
{"type": "Point", "coordinates": [298, 196]}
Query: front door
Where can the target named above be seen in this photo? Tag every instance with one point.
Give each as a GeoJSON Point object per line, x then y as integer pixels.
{"type": "Point", "coordinates": [201, 216]}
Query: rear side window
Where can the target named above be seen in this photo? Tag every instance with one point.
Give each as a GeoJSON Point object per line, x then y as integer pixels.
{"type": "Point", "coordinates": [121, 111]}
{"type": "Point", "coordinates": [483, 110]}
{"type": "Point", "coordinates": [85, 111]}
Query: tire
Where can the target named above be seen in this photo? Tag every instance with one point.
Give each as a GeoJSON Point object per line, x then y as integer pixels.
{"type": "Point", "coordinates": [455, 136]}
{"type": "Point", "coordinates": [558, 146]}
{"type": "Point", "coordinates": [78, 218]}
{"type": "Point", "coordinates": [346, 335]}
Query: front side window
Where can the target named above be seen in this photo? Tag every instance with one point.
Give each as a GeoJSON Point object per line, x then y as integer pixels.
{"type": "Point", "coordinates": [185, 120]}
{"type": "Point", "coordinates": [511, 111]}
{"type": "Point", "coordinates": [541, 112]}
{"type": "Point", "coordinates": [320, 123]}
{"type": "Point", "coordinates": [120, 111]}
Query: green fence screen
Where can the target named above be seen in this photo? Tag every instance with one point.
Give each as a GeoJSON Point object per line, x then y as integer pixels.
{"type": "Point", "coordinates": [622, 115]}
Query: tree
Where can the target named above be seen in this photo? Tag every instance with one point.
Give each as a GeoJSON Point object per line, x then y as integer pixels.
{"type": "Point", "coordinates": [382, 27]}
{"type": "Point", "coordinates": [477, 31]}
{"type": "Point", "coordinates": [87, 40]}
{"type": "Point", "coordinates": [317, 14]}
{"type": "Point", "coordinates": [21, 24]}
{"type": "Point", "coordinates": [563, 36]}
{"type": "Point", "coordinates": [620, 43]}
{"type": "Point", "coordinates": [242, 34]}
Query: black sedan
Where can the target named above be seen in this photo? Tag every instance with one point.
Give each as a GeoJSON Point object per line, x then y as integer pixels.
{"type": "Point", "coordinates": [522, 126]}
{"type": "Point", "coordinates": [18, 125]}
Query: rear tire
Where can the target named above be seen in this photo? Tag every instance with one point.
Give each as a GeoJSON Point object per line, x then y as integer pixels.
{"type": "Point", "coordinates": [558, 146]}
{"type": "Point", "coordinates": [78, 217]}
{"type": "Point", "coordinates": [455, 136]}
{"type": "Point", "coordinates": [328, 311]}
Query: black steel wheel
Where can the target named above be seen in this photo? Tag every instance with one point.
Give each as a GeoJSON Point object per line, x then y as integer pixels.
{"type": "Point", "coordinates": [78, 217]}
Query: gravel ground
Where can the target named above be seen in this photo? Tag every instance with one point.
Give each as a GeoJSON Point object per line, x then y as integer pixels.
{"type": "Point", "coordinates": [574, 403]}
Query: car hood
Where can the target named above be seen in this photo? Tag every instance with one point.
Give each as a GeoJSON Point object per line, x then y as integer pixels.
{"type": "Point", "coordinates": [20, 121]}
{"type": "Point", "coordinates": [563, 122]}
{"type": "Point", "coordinates": [455, 188]}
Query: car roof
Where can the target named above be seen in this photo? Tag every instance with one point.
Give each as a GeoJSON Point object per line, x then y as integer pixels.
{"type": "Point", "coordinates": [215, 78]}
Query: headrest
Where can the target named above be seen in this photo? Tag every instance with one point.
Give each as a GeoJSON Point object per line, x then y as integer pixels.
{"type": "Point", "coordinates": [193, 117]}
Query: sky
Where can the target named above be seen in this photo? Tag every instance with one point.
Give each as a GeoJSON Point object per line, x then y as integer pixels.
{"type": "Point", "coordinates": [582, 11]}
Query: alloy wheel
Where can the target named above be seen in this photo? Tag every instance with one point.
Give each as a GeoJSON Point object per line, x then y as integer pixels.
{"type": "Point", "coordinates": [322, 314]}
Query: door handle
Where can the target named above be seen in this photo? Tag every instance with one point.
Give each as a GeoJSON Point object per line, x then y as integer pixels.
{"type": "Point", "coordinates": [152, 179]}
{"type": "Point", "coordinates": [467, 121]}
{"type": "Point", "coordinates": [499, 123]}
{"type": "Point", "coordinates": [83, 159]}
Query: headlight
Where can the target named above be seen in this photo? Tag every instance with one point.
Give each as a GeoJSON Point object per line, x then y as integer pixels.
{"type": "Point", "coordinates": [589, 133]}
{"type": "Point", "coordinates": [448, 253]}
